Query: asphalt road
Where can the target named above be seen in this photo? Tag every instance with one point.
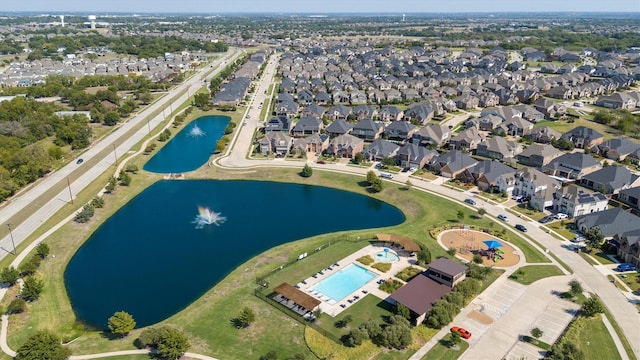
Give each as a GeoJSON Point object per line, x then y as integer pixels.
{"type": "Point", "coordinates": [116, 141]}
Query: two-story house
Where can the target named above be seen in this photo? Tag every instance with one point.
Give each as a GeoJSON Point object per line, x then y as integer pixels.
{"type": "Point", "coordinates": [575, 201]}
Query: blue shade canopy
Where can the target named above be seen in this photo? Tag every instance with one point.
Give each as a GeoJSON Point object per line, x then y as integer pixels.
{"type": "Point", "coordinates": [492, 244]}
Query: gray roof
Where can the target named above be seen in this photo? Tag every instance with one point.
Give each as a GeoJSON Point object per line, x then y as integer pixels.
{"type": "Point", "coordinates": [381, 149]}
{"type": "Point", "coordinates": [581, 132]}
{"type": "Point", "coordinates": [415, 153]}
{"type": "Point", "coordinates": [621, 145]}
{"type": "Point", "coordinates": [573, 162]}
{"type": "Point", "coordinates": [366, 127]}
{"type": "Point", "coordinates": [492, 169]}
{"type": "Point", "coordinates": [544, 150]}
{"type": "Point", "coordinates": [456, 160]}
{"type": "Point", "coordinates": [447, 266]}
{"type": "Point", "coordinates": [308, 123]}
{"type": "Point", "coordinates": [579, 195]}
{"type": "Point", "coordinates": [403, 126]}
{"type": "Point", "coordinates": [610, 222]}
{"type": "Point", "coordinates": [615, 176]}
{"type": "Point", "coordinates": [339, 127]}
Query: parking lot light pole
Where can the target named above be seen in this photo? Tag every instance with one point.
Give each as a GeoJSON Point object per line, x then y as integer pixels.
{"type": "Point", "coordinates": [12, 242]}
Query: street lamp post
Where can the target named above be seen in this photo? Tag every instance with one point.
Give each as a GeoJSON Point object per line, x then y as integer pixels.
{"type": "Point", "coordinates": [115, 154]}
{"type": "Point", "coordinates": [70, 194]}
{"type": "Point", "coordinates": [12, 242]}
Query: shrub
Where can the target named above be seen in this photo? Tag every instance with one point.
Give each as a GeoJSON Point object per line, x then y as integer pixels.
{"type": "Point", "coordinates": [390, 286]}
{"type": "Point", "coordinates": [477, 259]}
{"type": "Point", "coordinates": [408, 273]}
{"type": "Point", "coordinates": [121, 323]}
{"type": "Point", "coordinates": [97, 202]}
{"type": "Point", "coordinates": [365, 260]}
{"type": "Point", "coordinates": [32, 289]}
{"type": "Point", "coordinates": [17, 306]}
{"type": "Point", "coordinates": [9, 275]}
{"type": "Point", "coordinates": [383, 267]}
{"type": "Point", "coordinates": [424, 256]}
{"type": "Point", "coordinates": [85, 214]}
{"type": "Point", "coordinates": [307, 171]}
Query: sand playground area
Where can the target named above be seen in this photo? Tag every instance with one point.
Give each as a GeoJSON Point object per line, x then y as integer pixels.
{"type": "Point", "coordinates": [469, 242]}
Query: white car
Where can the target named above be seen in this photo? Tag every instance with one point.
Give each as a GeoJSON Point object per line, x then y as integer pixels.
{"type": "Point", "coordinates": [503, 217]}
{"type": "Point", "coordinates": [561, 216]}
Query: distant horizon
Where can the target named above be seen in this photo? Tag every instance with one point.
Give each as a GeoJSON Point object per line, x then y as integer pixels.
{"type": "Point", "coordinates": [324, 7]}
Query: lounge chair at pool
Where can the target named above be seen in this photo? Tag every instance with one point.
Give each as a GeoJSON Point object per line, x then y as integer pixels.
{"type": "Point", "coordinates": [320, 272]}
{"type": "Point", "coordinates": [336, 264]}
{"type": "Point", "coordinates": [343, 306]}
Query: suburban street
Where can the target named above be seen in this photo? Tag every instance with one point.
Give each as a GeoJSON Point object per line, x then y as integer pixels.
{"type": "Point", "coordinates": [116, 141]}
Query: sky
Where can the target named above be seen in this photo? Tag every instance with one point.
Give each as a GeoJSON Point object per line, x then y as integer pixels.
{"type": "Point", "coordinates": [318, 6]}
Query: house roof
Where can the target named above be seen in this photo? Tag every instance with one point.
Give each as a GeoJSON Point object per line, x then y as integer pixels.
{"type": "Point", "coordinates": [367, 126]}
{"type": "Point", "coordinates": [307, 123]}
{"type": "Point", "coordinates": [456, 160]}
{"type": "Point", "coordinates": [402, 126]}
{"type": "Point", "coordinates": [632, 192]}
{"type": "Point", "coordinates": [448, 267]}
{"type": "Point", "coordinates": [306, 301]}
{"type": "Point", "coordinates": [381, 148]}
{"type": "Point", "coordinates": [579, 195]}
{"type": "Point", "coordinates": [573, 162]}
{"type": "Point", "coordinates": [581, 132]}
{"type": "Point", "coordinates": [611, 222]}
{"type": "Point", "coordinates": [420, 294]}
{"type": "Point", "coordinates": [621, 145]}
{"type": "Point", "coordinates": [339, 126]}
{"type": "Point", "coordinates": [615, 176]}
{"type": "Point", "coordinates": [491, 170]}
{"type": "Point", "coordinates": [416, 153]}
{"type": "Point", "coordinates": [545, 150]}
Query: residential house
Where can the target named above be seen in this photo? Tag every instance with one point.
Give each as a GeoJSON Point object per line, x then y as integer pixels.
{"type": "Point", "coordinates": [280, 123]}
{"type": "Point", "coordinates": [610, 179]}
{"type": "Point", "coordinates": [538, 155]}
{"type": "Point", "coordinates": [611, 222]}
{"type": "Point", "coordinates": [316, 143]}
{"type": "Point", "coordinates": [467, 140]}
{"type": "Point", "coordinates": [537, 186]}
{"type": "Point", "coordinates": [287, 108]}
{"type": "Point", "coordinates": [571, 166]}
{"type": "Point", "coordinates": [617, 101]}
{"type": "Point", "coordinates": [550, 109]}
{"type": "Point", "coordinates": [433, 135]}
{"type": "Point", "coordinates": [338, 112]}
{"type": "Point", "coordinates": [368, 130]}
{"type": "Point", "coordinates": [451, 164]}
{"type": "Point", "coordinates": [380, 149]}
{"type": "Point", "coordinates": [616, 149]}
{"type": "Point", "coordinates": [487, 122]}
{"type": "Point", "coordinates": [307, 126]}
{"type": "Point", "coordinates": [345, 146]}
{"type": "Point", "coordinates": [313, 110]}
{"type": "Point", "coordinates": [305, 97]}
{"type": "Point", "coordinates": [418, 114]}
{"type": "Point", "coordinates": [583, 137]}
{"type": "Point", "coordinates": [575, 201]}
{"type": "Point", "coordinates": [543, 134]}
{"type": "Point", "coordinates": [276, 142]}
{"type": "Point", "coordinates": [322, 98]}
{"type": "Point", "coordinates": [498, 148]}
{"type": "Point", "coordinates": [516, 127]}
{"type": "Point", "coordinates": [390, 113]}
{"type": "Point", "coordinates": [412, 155]}
{"type": "Point", "coordinates": [399, 131]}
{"type": "Point", "coordinates": [365, 112]}
{"type": "Point", "coordinates": [628, 247]}
{"type": "Point", "coordinates": [630, 196]}
{"type": "Point", "coordinates": [339, 127]}
{"type": "Point", "coordinates": [491, 176]}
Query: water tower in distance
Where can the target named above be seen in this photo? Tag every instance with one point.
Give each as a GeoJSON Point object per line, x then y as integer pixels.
{"type": "Point", "coordinates": [403, 17]}
{"type": "Point", "coordinates": [92, 21]}
{"type": "Point", "coordinates": [62, 20]}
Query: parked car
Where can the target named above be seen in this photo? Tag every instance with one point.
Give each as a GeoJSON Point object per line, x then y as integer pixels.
{"type": "Point", "coordinates": [561, 216]}
{"type": "Point", "coordinates": [626, 267]}
{"type": "Point", "coordinates": [578, 239]}
{"type": "Point", "coordinates": [521, 228]}
{"type": "Point", "coordinates": [413, 168]}
{"type": "Point", "coordinates": [464, 333]}
{"type": "Point", "coordinates": [470, 201]}
{"type": "Point", "coordinates": [79, 161]}
{"type": "Point", "coordinates": [503, 217]}
{"type": "Point", "coordinates": [546, 219]}
{"type": "Point", "coordinates": [320, 162]}
{"type": "Point", "coordinates": [386, 175]}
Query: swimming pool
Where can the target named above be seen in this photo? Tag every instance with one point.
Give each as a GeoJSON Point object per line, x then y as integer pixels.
{"type": "Point", "coordinates": [387, 257]}
{"type": "Point", "coordinates": [344, 282]}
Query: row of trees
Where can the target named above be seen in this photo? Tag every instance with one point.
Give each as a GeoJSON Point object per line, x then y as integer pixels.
{"type": "Point", "coordinates": [394, 334]}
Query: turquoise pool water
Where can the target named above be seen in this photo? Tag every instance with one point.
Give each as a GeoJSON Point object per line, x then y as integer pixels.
{"type": "Point", "coordinates": [386, 257]}
{"type": "Point", "coordinates": [344, 282]}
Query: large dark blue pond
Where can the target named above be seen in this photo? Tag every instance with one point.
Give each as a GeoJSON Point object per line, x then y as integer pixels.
{"type": "Point", "coordinates": [191, 147]}
{"type": "Point", "coordinates": [151, 260]}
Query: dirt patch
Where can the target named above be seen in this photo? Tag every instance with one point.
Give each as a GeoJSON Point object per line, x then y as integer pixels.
{"type": "Point", "coordinates": [485, 319]}
{"type": "Point", "coordinates": [468, 243]}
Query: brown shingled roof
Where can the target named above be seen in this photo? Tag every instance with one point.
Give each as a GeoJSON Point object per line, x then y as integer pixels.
{"type": "Point", "coordinates": [420, 294]}
{"type": "Point", "coordinates": [306, 301]}
{"type": "Point", "coordinates": [405, 242]}
{"type": "Point", "coordinates": [447, 266]}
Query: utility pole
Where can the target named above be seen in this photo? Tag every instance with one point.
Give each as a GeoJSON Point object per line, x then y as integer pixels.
{"type": "Point", "coordinates": [70, 194]}
{"type": "Point", "coordinates": [115, 154]}
{"type": "Point", "coordinates": [12, 242]}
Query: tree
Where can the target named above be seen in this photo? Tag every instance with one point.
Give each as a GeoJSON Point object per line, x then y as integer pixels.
{"type": "Point", "coordinates": [594, 237]}
{"type": "Point", "coordinates": [481, 212]}
{"type": "Point", "coordinates": [575, 287]}
{"type": "Point", "coordinates": [396, 335]}
{"type": "Point", "coordinates": [172, 344]}
{"type": "Point", "coordinates": [17, 306]}
{"type": "Point", "coordinates": [408, 185]}
{"type": "Point", "coordinates": [536, 332]}
{"type": "Point", "coordinates": [271, 355]}
{"type": "Point", "coordinates": [371, 177]}
{"type": "Point", "coordinates": [111, 185]}
{"type": "Point", "coordinates": [97, 202]}
{"type": "Point", "coordinates": [377, 185]}
{"type": "Point", "coordinates": [42, 250]}
{"type": "Point", "coordinates": [592, 307]}
{"type": "Point", "coordinates": [388, 161]}
{"type": "Point", "coordinates": [455, 339]}
{"type": "Point", "coordinates": [121, 323]}
{"type": "Point", "coordinates": [358, 158]}
{"type": "Point", "coordinates": [201, 100]}
{"type": "Point", "coordinates": [355, 337]}
{"type": "Point", "coordinates": [9, 275]}
{"type": "Point", "coordinates": [132, 168]}
{"type": "Point", "coordinates": [564, 350]}
{"type": "Point", "coordinates": [460, 215]}
{"type": "Point", "coordinates": [111, 118]}
{"type": "Point", "coordinates": [165, 135]}
{"type": "Point", "coordinates": [246, 317]}
{"type": "Point", "coordinates": [43, 346]}
{"type": "Point", "coordinates": [85, 214]}
{"type": "Point", "coordinates": [307, 171]}
{"type": "Point", "coordinates": [424, 256]}
{"type": "Point", "coordinates": [32, 288]}
{"type": "Point", "coordinates": [125, 179]}
{"type": "Point", "coordinates": [403, 311]}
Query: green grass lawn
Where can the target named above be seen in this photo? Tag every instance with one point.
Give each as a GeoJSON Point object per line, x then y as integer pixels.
{"type": "Point", "coordinates": [562, 228]}
{"type": "Point", "coordinates": [442, 350]}
{"type": "Point", "coordinates": [632, 280]}
{"type": "Point", "coordinates": [563, 126]}
{"type": "Point", "coordinates": [592, 338]}
{"type": "Point", "coordinates": [521, 209]}
{"type": "Point", "coordinates": [368, 307]}
{"type": "Point", "coordinates": [529, 274]}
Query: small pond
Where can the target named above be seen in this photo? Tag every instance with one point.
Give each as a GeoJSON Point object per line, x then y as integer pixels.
{"type": "Point", "coordinates": [162, 250]}
{"type": "Point", "coordinates": [190, 148]}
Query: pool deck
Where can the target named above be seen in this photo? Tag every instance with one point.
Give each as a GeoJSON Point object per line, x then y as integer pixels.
{"type": "Point", "coordinates": [332, 308]}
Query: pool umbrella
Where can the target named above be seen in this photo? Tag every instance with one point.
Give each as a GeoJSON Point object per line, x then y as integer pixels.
{"type": "Point", "coordinates": [492, 244]}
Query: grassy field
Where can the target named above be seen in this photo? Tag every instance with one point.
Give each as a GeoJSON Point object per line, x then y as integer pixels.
{"type": "Point", "coordinates": [443, 351]}
{"type": "Point", "coordinates": [631, 279]}
{"type": "Point", "coordinates": [592, 338]}
{"type": "Point", "coordinates": [529, 274]}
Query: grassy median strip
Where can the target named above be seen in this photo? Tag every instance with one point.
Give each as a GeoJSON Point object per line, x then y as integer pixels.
{"type": "Point", "coordinates": [529, 274]}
